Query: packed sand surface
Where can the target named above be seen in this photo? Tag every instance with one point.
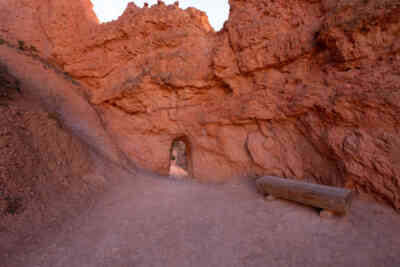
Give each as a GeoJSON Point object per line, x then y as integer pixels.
{"type": "Point", "coordinates": [160, 221]}
{"type": "Point", "coordinates": [307, 90]}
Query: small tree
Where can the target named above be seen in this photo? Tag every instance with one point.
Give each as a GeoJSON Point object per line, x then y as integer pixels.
{"type": "Point", "coordinates": [21, 45]}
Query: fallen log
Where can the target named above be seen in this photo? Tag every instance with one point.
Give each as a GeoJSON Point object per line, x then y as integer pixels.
{"type": "Point", "coordinates": [329, 198]}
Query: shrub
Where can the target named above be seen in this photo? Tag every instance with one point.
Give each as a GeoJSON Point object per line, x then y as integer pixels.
{"type": "Point", "coordinates": [21, 45]}
{"type": "Point", "coordinates": [33, 49]}
{"type": "Point", "coordinates": [14, 205]}
{"type": "Point", "coordinates": [55, 116]}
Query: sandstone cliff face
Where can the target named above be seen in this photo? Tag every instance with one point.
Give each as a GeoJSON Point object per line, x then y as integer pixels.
{"type": "Point", "coordinates": [49, 26]}
{"type": "Point", "coordinates": [305, 89]}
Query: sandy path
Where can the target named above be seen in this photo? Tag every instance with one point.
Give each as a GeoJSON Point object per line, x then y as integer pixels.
{"type": "Point", "coordinates": [150, 221]}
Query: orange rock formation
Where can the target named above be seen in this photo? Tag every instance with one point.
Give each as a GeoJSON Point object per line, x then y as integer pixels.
{"type": "Point", "coordinates": [305, 89]}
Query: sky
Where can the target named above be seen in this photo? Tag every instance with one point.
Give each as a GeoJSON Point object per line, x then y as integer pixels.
{"type": "Point", "coordinates": [217, 10]}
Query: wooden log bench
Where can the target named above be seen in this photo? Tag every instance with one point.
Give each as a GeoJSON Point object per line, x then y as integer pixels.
{"type": "Point", "coordinates": [332, 200]}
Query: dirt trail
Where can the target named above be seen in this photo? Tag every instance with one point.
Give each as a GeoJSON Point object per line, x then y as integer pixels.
{"type": "Point", "coordinates": [153, 221]}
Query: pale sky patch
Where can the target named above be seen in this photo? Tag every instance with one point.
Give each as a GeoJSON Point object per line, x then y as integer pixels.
{"type": "Point", "coordinates": [217, 10]}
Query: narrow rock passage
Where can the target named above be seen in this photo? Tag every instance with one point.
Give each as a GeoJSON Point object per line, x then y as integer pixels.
{"type": "Point", "coordinates": [154, 221]}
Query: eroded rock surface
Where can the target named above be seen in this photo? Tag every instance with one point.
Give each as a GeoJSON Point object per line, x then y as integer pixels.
{"type": "Point", "coordinates": [305, 89]}
{"type": "Point", "coordinates": [45, 171]}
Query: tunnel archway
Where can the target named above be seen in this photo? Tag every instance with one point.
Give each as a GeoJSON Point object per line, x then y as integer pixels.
{"type": "Point", "coordinates": [180, 158]}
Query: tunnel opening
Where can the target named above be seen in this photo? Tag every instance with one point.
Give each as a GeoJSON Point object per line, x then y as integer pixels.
{"type": "Point", "coordinates": [180, 159]}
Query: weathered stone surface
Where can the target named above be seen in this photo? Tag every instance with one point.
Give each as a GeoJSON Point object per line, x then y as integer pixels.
{"type": "Point", "coordinates": [305, 89]}
{"type": "Point", "coordinates": [52, 27]}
